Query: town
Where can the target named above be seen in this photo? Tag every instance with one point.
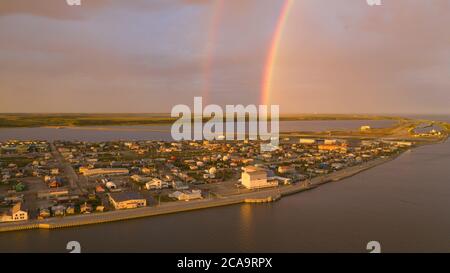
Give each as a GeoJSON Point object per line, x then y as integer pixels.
{"type": "Point", "coordinates": [41, 180]}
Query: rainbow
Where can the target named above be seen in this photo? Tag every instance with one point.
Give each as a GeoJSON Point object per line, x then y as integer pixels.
{"type": "Point", "coordinates": [272, 53]}
{"type": "Point", "coordinates": [214, 23]}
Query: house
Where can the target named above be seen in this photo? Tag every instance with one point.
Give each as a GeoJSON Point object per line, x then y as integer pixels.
{"type": "Point", "coordinates": [6, 177]}
{"type": "Point", "coordinates": [111, 186]}
{"type": "Point", "coordinates": [85, 208]}
{"type": "Point", "coordinates": [147, 170]}
{"type": "Point", "coordinates": [337, 166]}
{"type": "Point", "coordinates": [127, 200]}
{"type": "Point", "coordinates": [179, 186]}
{"type": "Point", "coordinates": [187, 195]}
{"type": "Point", "coordinates": [330, 142]}
{"type": "Point", "coordinates": [16, 214]}
{"type": "Point", "coordinates": [286, 169]}
{"type": "Point", "coordinates": [44, 213]}
{"type": "Point", "coordinates": [140, 179]}
{"type": "Point", "coordinates": [70, 210]}
{"type": "Point", "coordinates": [308, 141]}
{"type": "Point", "coordinates": [156, 184]}
{"type": "Point", "coordinates": [209, 176]}
{"type": "Point", "coordinates": [54, 183]}
{"type": "Point", "coordinates": [58, 210]}
{"type": "Point", "coordinates": [99, 189]}
{"type": "Point", "coordinates": [256, 178]}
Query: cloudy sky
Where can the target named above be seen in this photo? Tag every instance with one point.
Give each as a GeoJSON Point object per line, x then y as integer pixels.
{"type": "Point", "coordinates": [338, 56]}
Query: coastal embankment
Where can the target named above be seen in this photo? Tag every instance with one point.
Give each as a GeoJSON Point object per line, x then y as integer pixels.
{"type": "Point", "coordinates": [260, 196]}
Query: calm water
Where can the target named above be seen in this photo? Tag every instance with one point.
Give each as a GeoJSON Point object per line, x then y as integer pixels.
{"type": "Point", "coordinates": [404, 204]}
{"type": "Point", "coordinates": [162, 132]}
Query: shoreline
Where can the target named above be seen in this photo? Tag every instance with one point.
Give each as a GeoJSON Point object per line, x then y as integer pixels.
{"type": "Point", "coordinates": [61, 120]}
{"type": "Point", "coordinates": [261, 196]}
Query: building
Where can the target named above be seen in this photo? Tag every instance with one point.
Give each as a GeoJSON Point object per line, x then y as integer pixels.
{"type": "Point", "coordinates": [85, 208]}
{"type": "Point", "coordinates": [286, 169]}
{"type": "Point", "coordinates": [282, 180]}
{"type": "Point", "coordinates": [256, 178]}
{"type": "Point", "coordinates": [147, 170]}
{"type": "Point", "coordinates": [58, 210]}
{"type": "Point", "coordinates": [70, 210]}
{"type": "Point", "coordinates": [404, 144]}
{"type": "Point", "coordinates": [309, 141]}
{"type": "Point", "coordinates": [99, 189]}
{"type": "Point", "coordinates": [330, 142]}
{"type": "Point", "coordinates": [178, 185]}
{"type": "Point", "coordinates": [16, 214]}
{"type": "Point", "coordinates": [140, 179]}
{"type": "Point", "coordinates": [327, 147]}
{"type": "Point", "coordinates": [127, 200]}
{"type": "Point", "coordinates": [111, 185]}
{"type": "Point", "coordinates": [44, 213]}
{"type": "Point", "coordinates": [187, 195]}
{"type": "Point", "coordinates": [103, 171]}
{"type": "Point", "coordinates": [156, 184]}
{"type": "Point", "coordinates": [53, 194]}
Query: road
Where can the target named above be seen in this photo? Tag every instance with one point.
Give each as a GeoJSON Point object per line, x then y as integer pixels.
{"type": "Point", "coordinates": [68, 170]}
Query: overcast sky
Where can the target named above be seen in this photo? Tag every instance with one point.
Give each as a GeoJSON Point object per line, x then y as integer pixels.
{"type": "Point", "coordinates": [338, 56]}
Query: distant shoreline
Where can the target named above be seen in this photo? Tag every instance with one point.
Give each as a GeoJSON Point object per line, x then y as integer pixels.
{"type": "Point", "coordinates": [85, 120]}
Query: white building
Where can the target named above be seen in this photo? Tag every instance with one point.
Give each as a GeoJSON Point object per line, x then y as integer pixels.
{"type": "Point", "coordinates": [307, 141]}
{"type": "Point", "coordinates": [111, 186]}
{"type": "Point", "coordinates": [286, 169]}
{"type": "Point", "coordinates": [256, 178]}
{"type": "Point", "coordinates": [404, 144]}
{"type": "Point", "coordinates": [140, 179]}
{"type": "Point", "coordinates": [187, 195]}
{"type": "Point", "coordinates": [282, 180]}
{"type": "Point", "coordinates": [106, 171]}
{"type": "Point", "coordinates": [156, 184]}
{"type": "Point", "coordinates": [330, 142]}
{"type": "Point", "coordinates": [16, 214]}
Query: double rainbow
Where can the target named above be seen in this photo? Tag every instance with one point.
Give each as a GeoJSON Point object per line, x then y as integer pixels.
{"type": "Point", "coordinates": [266, 85]}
